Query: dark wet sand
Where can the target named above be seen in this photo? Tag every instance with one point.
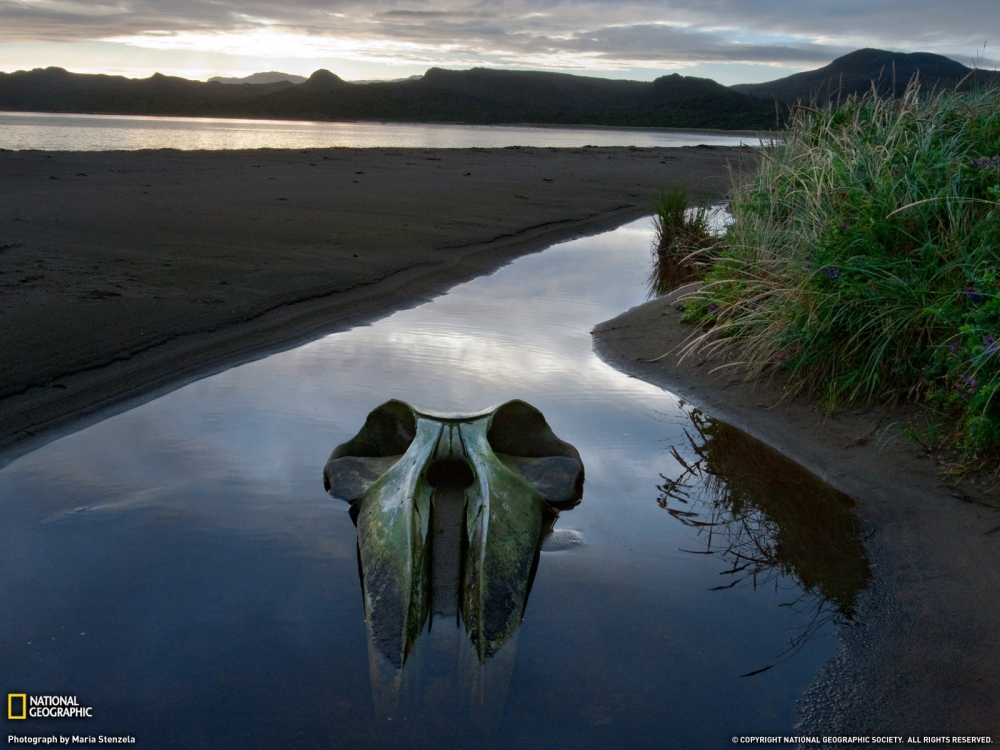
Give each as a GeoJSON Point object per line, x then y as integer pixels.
{"type": "Point", "coordinates": [125, 274]}
{"type": "Point", "coordinates": [924, 656]}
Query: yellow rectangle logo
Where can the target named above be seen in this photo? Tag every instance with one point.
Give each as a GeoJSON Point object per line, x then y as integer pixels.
{"type": "Point", "coordinates": [11, 697]}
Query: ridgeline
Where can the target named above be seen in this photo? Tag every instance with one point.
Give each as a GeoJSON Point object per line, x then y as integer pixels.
{"type": "Point", "coordinates": [477, 96]}
{"type": "Point", "coordinates": [854, 73]}
{"type": "Point", "coordinates": [483, 96]}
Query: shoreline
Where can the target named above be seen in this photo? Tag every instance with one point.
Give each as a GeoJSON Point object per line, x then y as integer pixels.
{"type": "Point", "coordinates": [128, 274]}
{"type": "Point", "coordinates": [920, 657]}
{"type": "Point", "coordinates": [93, 394]}
{"type": "Point", "coordinates": [541, 126]}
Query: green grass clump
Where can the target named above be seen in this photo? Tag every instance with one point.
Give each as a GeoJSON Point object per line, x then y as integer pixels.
{"type": "Point", "coordinates": [864, 259]}
{"type": "Point", "coordinates": [681, 237]}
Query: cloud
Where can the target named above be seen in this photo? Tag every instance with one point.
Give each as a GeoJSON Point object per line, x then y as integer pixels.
{"type": "Point", "coordinates": [661, 43]}
{"type": "Point", "coordinates": [437, 14]}
{"type": "Point", "coordinates": [568, 34]}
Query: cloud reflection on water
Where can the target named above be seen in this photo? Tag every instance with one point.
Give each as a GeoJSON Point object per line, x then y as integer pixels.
{"type": "Point", "coordinates": [214, 558]}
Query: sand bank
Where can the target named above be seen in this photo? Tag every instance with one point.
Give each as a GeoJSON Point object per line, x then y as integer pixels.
{"type": "Point", "coordinates": [923, 658]}
{"type": "Point", "coordinates": [124, 274]}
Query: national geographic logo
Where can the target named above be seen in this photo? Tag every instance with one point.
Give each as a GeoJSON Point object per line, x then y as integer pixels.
{"type": "Point", "coordinates": [24, 706]}
{"type": "Point", "coordinates": [14, 700]}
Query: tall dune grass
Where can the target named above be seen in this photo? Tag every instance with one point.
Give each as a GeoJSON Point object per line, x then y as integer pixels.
{"type": "Point", "coordinates": [864, 259]}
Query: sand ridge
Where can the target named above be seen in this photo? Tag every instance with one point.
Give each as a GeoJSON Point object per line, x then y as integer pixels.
{"type": "Point", "coordinates": [123, 274]}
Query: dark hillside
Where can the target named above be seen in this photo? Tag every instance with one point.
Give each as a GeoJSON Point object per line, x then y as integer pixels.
{"type": "Point", "coordinates": [473, 96]}
{"type": "Point", "coordinates": [57, 90]}
{"type": "Point", "coordinates": [501, 96]}
{"type": "Point", "coordinates": [854, 73]}
{"type": "Point", "coordinates": [699, 101]}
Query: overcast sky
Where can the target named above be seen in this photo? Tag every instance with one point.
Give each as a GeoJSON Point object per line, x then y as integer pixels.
{"type": "Point", "coordinates": [731, 41]}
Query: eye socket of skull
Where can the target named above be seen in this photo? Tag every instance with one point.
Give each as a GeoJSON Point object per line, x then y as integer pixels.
{"type": "Point", "coordinates": [519, 429]}
{"type": "Point", "coordinates": [355, 465]}
{"type": "Point", "coordinates": [388, 431]}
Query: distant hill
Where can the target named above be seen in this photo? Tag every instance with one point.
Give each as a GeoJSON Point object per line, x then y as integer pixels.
{"type": "Point", "coordinates": [471, 96]}
{"type": "Point", "coordinates": [394, 80]}
{"type": "Point", "coordinates": [485, 96]}
{"type": "Point", "coordinates": [853, 74]}
{"type": "Point", "coordinates": [270, 77]}
{"type": "Point", "coordinates": [57, 90]}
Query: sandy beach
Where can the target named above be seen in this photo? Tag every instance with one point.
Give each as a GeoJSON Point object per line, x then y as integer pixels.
{"type": "Point", "coordinates": [125, 274]}
{"type": "Point", "coordinates": [922, 658]}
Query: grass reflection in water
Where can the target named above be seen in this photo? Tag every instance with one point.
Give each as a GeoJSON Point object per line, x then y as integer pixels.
{"type": "Point", "coordinates": [685, 240]}
{"type": "Point", "coordinates": [768, 518]}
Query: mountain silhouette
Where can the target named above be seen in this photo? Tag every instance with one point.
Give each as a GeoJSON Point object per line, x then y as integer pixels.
{"type": "Point", "coordinates": [486, 96]}
{"type": "Point", "coordinates": [855, 73]}
{"type": "Point", "coordinates": [272, 76]}
{"type": "Point", "coordinates": [478, 96]}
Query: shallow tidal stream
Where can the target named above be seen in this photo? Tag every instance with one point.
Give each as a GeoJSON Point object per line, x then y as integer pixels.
{"type": "Point", "coordinates": [179, 567]}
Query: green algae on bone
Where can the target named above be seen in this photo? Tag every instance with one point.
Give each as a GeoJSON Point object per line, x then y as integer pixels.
{"type": "Point", "coordinates": [521, 474]}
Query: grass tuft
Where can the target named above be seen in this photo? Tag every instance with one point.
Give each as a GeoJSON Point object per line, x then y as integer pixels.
{"type": "Point", "coordinates": [864, 259]}
{"type": "Point", "coordinates": [683, 239]}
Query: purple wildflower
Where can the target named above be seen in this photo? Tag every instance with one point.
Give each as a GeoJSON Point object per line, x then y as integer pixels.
{"type": "Point", "coordinates": [973, 296]}
{"type": "Point", "coordinates": [986, 162]}
{"type": "Point", "coordinates": [833, 272]}
{"type": "Point", "coordinates": [968, 383]}
{"type": "Point", "coordinates": [783, 358]}
{"type": "Point", "coordinates": [713, 307]}
{"type": "Point", "coordinates": [990, 346]}
{"type": "Point", "coordinates": [953, 347]}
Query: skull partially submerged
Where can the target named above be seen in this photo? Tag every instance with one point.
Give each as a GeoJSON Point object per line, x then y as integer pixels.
{"type": "Point", "coordinates": [511, 475]}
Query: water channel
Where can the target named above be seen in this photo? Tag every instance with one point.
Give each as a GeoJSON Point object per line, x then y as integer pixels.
{"type": "Point", "coordinates": [179, 567]}
{"type": "Point", "coordinates": [72, 132]}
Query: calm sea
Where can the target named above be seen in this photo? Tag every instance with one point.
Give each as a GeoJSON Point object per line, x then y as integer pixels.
{"type": "Point", "coordinates": [68, 132]}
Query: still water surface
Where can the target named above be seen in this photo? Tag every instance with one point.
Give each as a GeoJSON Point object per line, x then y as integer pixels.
{"type": "Point", "coordinates": [179, 567]}
{"type": "Point", "coordinates": [69, 132]}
